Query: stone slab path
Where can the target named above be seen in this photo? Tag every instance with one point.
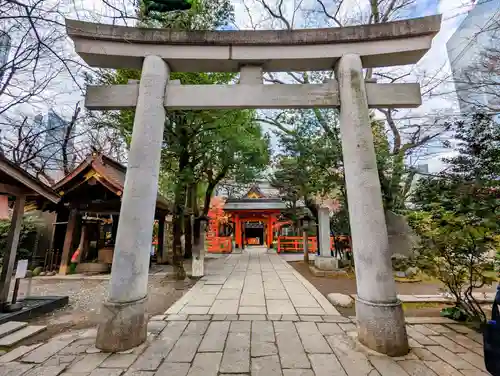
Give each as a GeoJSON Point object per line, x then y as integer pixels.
{"type": "Point", "coordinates": [254, 282]}
{"type": "Point", "coordinates": [278, 338]}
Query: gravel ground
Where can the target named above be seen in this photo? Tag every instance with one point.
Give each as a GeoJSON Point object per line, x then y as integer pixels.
{"type": "Point", "coordinates": [347, 285]}
{"type": "Point", "coordinates": [86, 297]}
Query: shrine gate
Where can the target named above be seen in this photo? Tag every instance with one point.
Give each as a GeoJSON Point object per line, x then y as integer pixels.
{"type": "Point", "coordinates": [345, 50]}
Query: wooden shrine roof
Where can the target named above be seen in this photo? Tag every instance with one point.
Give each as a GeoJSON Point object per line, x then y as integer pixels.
{"type": "Point", "coordinates": [16, 181]}
{"type": "Point", "coordinates": [106, 171]}
{"type": "Point", "coordinates": [255, 199]}
{"type": "Point", "coordinates": [260, 197]}
{"type": "Point", "coordinates": [255, 204]}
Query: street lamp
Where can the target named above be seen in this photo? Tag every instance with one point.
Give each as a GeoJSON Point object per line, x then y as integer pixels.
{"type": "Point", "coordinates": [203, 222]}
{"type": "Point", "coordinates": [306, 222]}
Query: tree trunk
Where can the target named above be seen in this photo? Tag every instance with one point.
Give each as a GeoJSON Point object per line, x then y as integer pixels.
{"type": "Point", "coordinates": [188, 236]}
{"type": "Point", "coordinates": [314, 210]}
{"type": "Point", "coordinates": [178, 216]}
{"type": "Point", "coordinates": [208, 197]}
{"type": "Point", "coordinates": [188, 225]}
{"type": "Point", "coordinates": [212, 183]}
{"type": "Point", "coordinates": [180, 198]}
{"type": "Point", "coordinates": [196, 214]}
{"type": "Point", "coordinates": [198, 241]}
{"type": "Point", "coordinates": [395, 188]}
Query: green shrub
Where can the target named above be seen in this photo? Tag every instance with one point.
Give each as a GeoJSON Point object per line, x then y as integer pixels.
{"type": "Point", "coordinates": [454, 249]}
{"type": "Point", "coordinates": [29, 228]}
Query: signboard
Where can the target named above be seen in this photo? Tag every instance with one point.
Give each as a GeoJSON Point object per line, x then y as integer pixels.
{"type": "Point", "coordinates": [254, 225]}
{"type": "Point", "coordinates": [22, 268]}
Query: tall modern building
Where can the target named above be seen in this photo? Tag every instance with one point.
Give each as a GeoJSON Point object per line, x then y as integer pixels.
{"type": "Point", "coordinates": [478, 32]}
{"type": "Point", "coordinates": [53, 130]}
{"type": "Point", "coordinates": [4, 51]}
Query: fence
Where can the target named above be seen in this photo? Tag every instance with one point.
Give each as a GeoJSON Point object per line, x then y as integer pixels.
{"type": "Point", "coordinates": [224, 244]}
{"type": "Point", "coordinates": [296, 243]}
{"type": "Point", "coordinates": [220, 244]}
{"type": "Point", "coordinates": [52, 260]}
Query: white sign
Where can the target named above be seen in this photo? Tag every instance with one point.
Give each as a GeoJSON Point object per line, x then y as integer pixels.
{"type": "Point", "coordinates": [22, 267]}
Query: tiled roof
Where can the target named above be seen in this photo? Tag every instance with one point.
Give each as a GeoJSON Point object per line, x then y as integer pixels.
{"type": "Point", "coordinates": [14, 175]}
{"type": "Point", "coordinates": [111, 171]}
{"type": "Point", "coordinates": [255, 204]}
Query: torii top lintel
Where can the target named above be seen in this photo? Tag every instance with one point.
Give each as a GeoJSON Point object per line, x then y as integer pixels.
{"type": "Point", "coordinates": [379, 45]}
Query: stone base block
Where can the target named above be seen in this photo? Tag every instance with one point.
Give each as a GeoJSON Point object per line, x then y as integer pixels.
{"type": "Point", "coordinates": [123, 326]}
{"type": "Point", "coordinates": [326, 263]}
{"type": "Point", "coordinates": [381, 327]}
{"type": "Point", "coordinates": [92, 268]}
{"type": "Point", "coordinates": [327, 273]}
{"type": "Point", "coordinates": [198, 267]}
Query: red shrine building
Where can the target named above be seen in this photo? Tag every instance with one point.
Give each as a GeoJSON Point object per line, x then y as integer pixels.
{"type": "Point", "coordinates": [251, 220]}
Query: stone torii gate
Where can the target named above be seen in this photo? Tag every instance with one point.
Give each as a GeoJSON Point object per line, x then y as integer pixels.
{"type": "Point", "coordinates": [347, 50]}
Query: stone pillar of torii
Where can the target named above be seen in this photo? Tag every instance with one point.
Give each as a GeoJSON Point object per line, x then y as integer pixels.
{"type": "Point", "coordinates": [348, 50]}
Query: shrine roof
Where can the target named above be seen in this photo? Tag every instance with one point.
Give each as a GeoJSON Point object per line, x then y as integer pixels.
{"type": "Point", "coordinates": [14, 181]}
{"type": "Point", "coordinates": [255, 204]}
{"type": "Point", "coordinates": [108, 172]}
{"type": "Point", "coordinates": [260, 196]}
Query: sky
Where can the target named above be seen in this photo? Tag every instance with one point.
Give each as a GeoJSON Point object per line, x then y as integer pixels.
{"type": "Point", "coordinates": [248, 16]}
{"type": "Point", "coordinates": [434, 65]}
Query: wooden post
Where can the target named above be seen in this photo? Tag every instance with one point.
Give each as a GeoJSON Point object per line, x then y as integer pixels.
{"type": "Point", "coordinates": [53, 233]}
{"type": "Point", "coordinates": [161, 239]}
{"type": "Point", "coordinates": [9, 256]}
{"type": "Point", "coordinates": [306, 247]}
{"type": "Point", "coordinates": [68, 240]}
{"type": "Point", "coordinates": [84, 243]}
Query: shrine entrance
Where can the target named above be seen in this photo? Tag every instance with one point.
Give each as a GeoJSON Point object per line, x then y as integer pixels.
{"type": "Point", "coordinates": [254, 216]}
{"type": "Point", "coordinates": [345, 51]}
{"type": "Point", "coordinates": [254, 232]}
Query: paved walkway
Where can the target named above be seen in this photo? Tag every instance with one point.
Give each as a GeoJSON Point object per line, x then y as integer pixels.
{"type": "Point", "coordinates": [253, 315]}
{"type": "Point", "coordinates": [254, 283]}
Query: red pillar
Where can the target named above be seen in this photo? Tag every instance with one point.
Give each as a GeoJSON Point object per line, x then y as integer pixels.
{"type": "Point", "coordinates": [237, 231]}
{"type": "Point", "coordinates": [270, 231]}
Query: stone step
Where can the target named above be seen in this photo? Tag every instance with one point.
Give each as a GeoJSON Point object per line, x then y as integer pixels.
{"type": "Point", "coordinates": [21, 335]}
{"type": "Point", "coordinates": [11, 327]}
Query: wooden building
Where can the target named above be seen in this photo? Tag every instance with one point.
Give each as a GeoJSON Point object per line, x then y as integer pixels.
{"type": "Point", "coordinates": [24, 189]}
{"type": "Point", "coordinates": [88, 214]}
{"type": "Point", "coordinates": [253, 219]}
{"type": "Point", "coordinates": [258, 218]}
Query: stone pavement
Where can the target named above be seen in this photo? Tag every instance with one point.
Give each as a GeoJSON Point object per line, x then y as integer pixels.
{"type": "Point", "coordinates": [226, 340]}
{"type": "Point", "coordinates": [255, 283]}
